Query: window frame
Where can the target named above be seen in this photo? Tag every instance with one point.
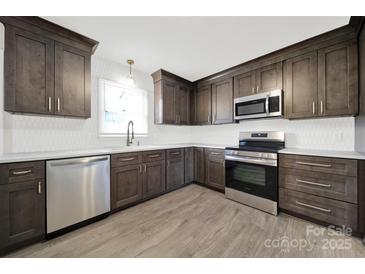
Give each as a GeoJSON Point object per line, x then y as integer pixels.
{"type": "Point", "coordinates": [101, 107]}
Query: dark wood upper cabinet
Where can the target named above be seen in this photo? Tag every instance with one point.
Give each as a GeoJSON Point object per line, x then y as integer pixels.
{"type": "Point", "coordinates": [154, 182]}
{"type": "Point", "coordinates": [72, 81]}
{"type": "Point", "coordinates": [29, 72]}
{"type": "Point", "coordinates": [126, 185]}
{"type": "Point", "coordinates": [199, 165]}
{"type": "Point", "coordinates": [263, 79]}
{"type": "Point", "coordinates": [47, 68]}
{"type": "Point", "coordinates": [222, 102]}
{"type": "Point", "coordinates": [203, 106]}
{"type": "Point", "coordinates": [300, 87]}
{"type": "Point", "coordinates": [245, 84]}
{"type": "Point", "coordinates": [338, 80]}
{"type": "Point", "coordinates": [172, 99]}
{"type": "Point", "coordinates": [214, 166]}
{"type": "Point", "coordinates": [269, 77]}
{"type": "Point", "coordinates": [182, 104]}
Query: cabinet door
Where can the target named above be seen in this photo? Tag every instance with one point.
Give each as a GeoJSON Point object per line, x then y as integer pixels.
{"type": "Point", "coordinates": [269, 78]}
{"type": "Point", "coordinates": [72, 81]}
{"type": "Point", "coordinates": [29, 72]}
{"type": "Point", "coordinates": [126, 185]}
{"type": "Point", "coordinates": [154, 178]}
{"type": "Point", "coordinates": [300, 89]}
{"type": "Point", "coordinates": [175, 173]}
{"type": "Point", "coordinates": [169, 89]}
{"type": "Point", "coordinates": [22, 212]}
{"type": "Point", "coordinates": [245, 84]}
{"type": "Point", "coordinates": [189, 165]}
{"type": "Point", "coordinates": [215, 170]}
{"type": "Point", "coordinates": [222, 102]}
{"type": "Point", "coordinates": [199, 165]}
{"type": "Point", "coordinates": [338, 80]}
{"type": "Point", "coordinates": [182, 105]}
{"type": "Point", "coordinates": [203, 99]}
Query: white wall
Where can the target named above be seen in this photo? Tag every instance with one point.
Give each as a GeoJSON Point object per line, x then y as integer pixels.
{"type": "Point", "coordinates": [330, 133]}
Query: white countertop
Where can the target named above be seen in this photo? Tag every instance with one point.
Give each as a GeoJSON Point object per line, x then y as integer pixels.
{"type": "Point", "coordinates": [61, 154]}
{"type": "Point", "coordinates": [325, 153]}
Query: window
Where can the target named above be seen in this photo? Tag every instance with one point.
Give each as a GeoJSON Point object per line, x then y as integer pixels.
{"type": "Point", "coordinates": [118, 105]}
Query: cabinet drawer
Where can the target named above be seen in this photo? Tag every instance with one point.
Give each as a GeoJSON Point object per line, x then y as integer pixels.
{"type": "Point", "coordinates": [174, 153]}
{"type": "Point", "coordinates": [214, 153]}
{"type": "Point", "coordinates": [321, 164]}
{"type": "Point", "coordinates": [18, 172]}
{"type": "Point", "coordinates": [332, 186]}
{"type": "Point", "coordinates": [321, 209]}
{"type": "Point", "coordinates": [154, 155]}
{"type": "Point", "coordinates": [125, 159]}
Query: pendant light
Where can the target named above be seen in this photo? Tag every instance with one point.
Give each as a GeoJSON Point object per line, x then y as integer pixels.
{"type": "Point", "coordinates": [130, 79]}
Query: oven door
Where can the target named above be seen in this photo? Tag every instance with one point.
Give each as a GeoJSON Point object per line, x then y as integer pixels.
{"type": "Point", "coordinates": [256, 179]}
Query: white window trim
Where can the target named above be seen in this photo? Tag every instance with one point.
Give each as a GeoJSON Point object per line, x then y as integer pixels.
{"type": "Point", "coordinates": [101, 104]}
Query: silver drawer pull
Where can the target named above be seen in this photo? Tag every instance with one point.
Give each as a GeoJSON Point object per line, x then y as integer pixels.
{"type": "Point", "coordinates": [314, 207]}
{"type": "Point", "coordinates": [127, 159]}
{"type": "Point", "coordinates": [313, 183]}
{"type": "Point", "coordinates": [175, 153]}
{"type": "Point", "coordinates": [154, 155]}
{"type": "Point", "coordinates": [39, 190]}
{"type": "Point", "coordinates": [312, 164]}
{"type": "Point", "coordinates": [23, 172]}
{"type": "Point", "coordinates": [216, 153]}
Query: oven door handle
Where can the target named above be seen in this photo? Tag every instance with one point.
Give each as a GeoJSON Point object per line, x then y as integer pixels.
{"type": "Point", "coordinates": [252, 160]}
{"type": "Point", "coordinates": [267, 105]}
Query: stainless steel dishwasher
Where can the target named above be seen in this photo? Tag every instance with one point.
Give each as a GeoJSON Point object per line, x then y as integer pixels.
{"type": "Point", "coordinates": [78, 189]}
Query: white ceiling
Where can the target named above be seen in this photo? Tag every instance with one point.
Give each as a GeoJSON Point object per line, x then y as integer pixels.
{"type": "Point", "coordinates": [194, 47]}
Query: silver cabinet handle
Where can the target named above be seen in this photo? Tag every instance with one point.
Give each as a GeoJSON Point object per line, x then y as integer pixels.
{"type": "Point", "coordinates": [145, 168]}
{"type": "Point", "coordinates": [175, 153]}
{"type": "Point", "coordinates": [23, 172]}
{"type": "Point", "coordinates": [314, 207]}
{"type": "Point", "coordinates": [321, 107]}
{"type": "Point", "coordinates": [140, 168]}
{"type": "Point", "coordinates": [216, 153]}
{"type": "Point", "coordinates": [39, 190]}
{"type": "Point", "coordinates": [127, 159]}
{"type": "Point", "coordinates": [49, 104]}
{"type": "Point", "coordinates": [313, 183]}
{"type": "Point", "coordinates": [267, 105]}
{"type": "Point", "coordinates": [208, 118]}
{"type": "Point", "coordinates": [168, 163]}
{"type": "Point", "coordinates": [312, 164]}
{"type": "Point", "coordinates": [58, 105]}
{"type": "Point", "coordinates": [154, 155]}
{"type": "Point", "coordinates": [224, 163]}
{"type": "Point", "coordinates": [257, 89]}
{"type": "Point", "coordinates": [253, 90]}
{"type": "Point", "coordinates": [313, 108]}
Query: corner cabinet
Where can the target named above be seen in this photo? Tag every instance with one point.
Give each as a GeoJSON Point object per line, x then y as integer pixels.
{"type": "Point", "coordinates": [322, 83]}
{"type": "Point", "coordinates": [172, 99]}
{"type": "Point", "coordinates": [47, 68]}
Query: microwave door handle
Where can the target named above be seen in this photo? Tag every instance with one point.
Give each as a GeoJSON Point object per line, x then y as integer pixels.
{"type": "Point", "coordinates": [267, 105]}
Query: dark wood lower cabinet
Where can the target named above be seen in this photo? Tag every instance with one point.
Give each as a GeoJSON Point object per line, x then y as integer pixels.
{"type": "Point", "coordinates": [189, 165]}
{"type": "Point", "coordinates": [22, 213]}
{"type": "Point", "coordinates": [175, 173]}
{"type": "Point", "coordinates": [154, 182]}
{"type": "Point", "coordinates": [126, 185]}
{"type": "Point", "coordinates": [199, 165]}
{"type": "Point", "coordinates": [215, 170]}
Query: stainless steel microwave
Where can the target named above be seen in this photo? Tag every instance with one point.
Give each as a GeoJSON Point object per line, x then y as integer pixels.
{"type": "Point", "coordinates": [261, 105]}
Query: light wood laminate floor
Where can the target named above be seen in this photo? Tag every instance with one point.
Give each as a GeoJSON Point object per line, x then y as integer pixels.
{"type": "Point", "coordinates": [197, 222]}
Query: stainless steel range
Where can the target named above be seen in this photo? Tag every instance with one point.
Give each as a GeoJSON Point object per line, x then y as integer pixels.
{"type": "Point", "coordinates": [251, 170]}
